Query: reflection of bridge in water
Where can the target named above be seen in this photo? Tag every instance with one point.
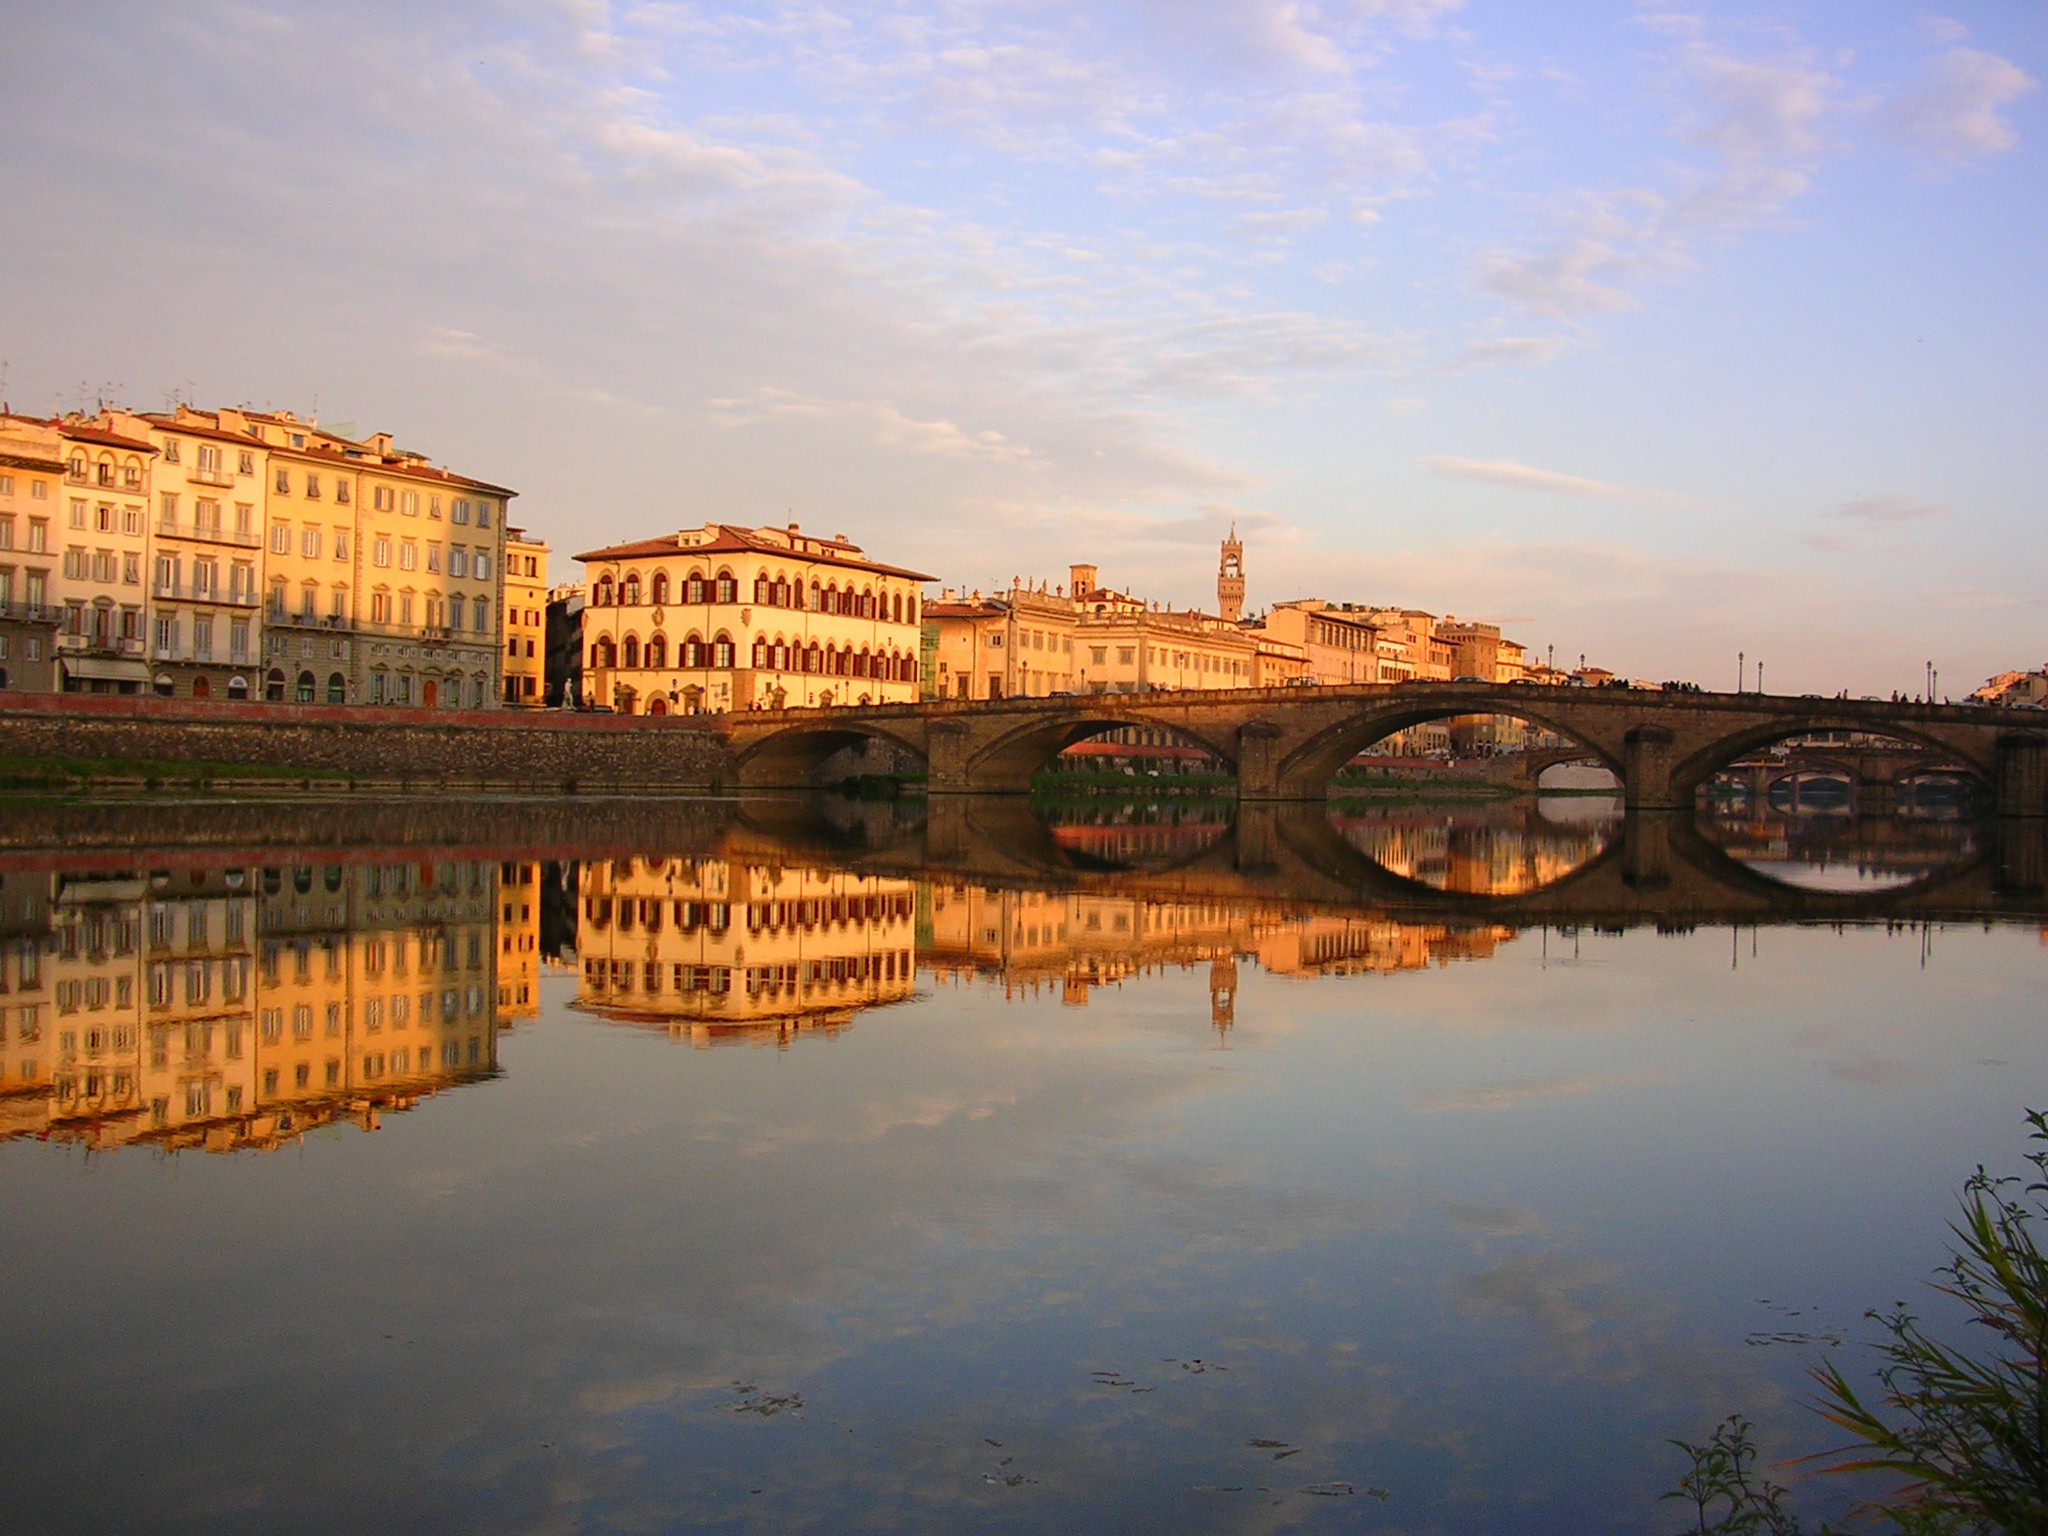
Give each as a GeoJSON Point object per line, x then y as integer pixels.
{"type": "Point", "coordinates": [1654, 868]}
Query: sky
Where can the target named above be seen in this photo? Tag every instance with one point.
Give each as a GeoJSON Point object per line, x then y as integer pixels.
{"type": "Point", "coordinates": [1656, 333]}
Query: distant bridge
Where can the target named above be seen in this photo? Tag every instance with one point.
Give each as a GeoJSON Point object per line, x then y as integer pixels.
{"type": "Point", "coordinates": [1286, 743]}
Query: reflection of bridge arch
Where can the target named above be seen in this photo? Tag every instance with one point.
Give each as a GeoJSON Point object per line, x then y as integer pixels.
{"type": "Point", "coordinates": [1318, 759]}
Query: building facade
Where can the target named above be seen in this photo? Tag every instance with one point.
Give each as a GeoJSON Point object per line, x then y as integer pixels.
{"type": "Point", "coordinates": [31, 470]}
{"type": "Point", "coordinates": [723, 618]}
{"type": "Point", "coordinates": [104, 537]}
{"type": "Point", "coordinates": [526, 620]}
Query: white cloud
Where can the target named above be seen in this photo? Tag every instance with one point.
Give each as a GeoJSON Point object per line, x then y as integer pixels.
{"type": "Point", "coordinates": [1523, 477]}
{"type": "Point", "coordinates": [1758, 125]}
{"type": "Point", "coordinates": [1954, 114]}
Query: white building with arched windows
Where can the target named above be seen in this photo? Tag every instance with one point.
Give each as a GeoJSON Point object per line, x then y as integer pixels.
{"type": "Point", "coordinates": [722, 618]}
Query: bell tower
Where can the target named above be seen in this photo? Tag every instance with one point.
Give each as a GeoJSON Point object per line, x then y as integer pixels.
{"type": "Point", "coordinates": [1230, 580]}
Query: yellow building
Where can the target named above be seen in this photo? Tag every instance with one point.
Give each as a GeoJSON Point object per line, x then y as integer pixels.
{"type": "Point", "coordinates": [722, 618]}
{"type": "Point", "coordinates": [429, 562]}
{"type": "Point", "coordinates": [31, 469]}
{"type": "Point", "coordinates": [715, 951]}
{"type": "Point", "coordinates": [526, 620]}
{"type": "Point", "coordinates": [105, 543]}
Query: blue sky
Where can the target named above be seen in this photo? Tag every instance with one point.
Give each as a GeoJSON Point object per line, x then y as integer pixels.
{"type": "Point", "coordinates": [1657, 331]}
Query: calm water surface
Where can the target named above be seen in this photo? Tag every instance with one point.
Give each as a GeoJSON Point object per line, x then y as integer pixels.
{"type": "Point", "coordinates": [794, 1174]}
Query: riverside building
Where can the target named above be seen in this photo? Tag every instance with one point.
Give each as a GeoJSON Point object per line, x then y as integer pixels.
{"type": "Point", "coordinates": [526, 620]}
{"type": "Point", "coordinates": [31, 467]}
{"type": "Point", "coordinates": [722, 618]}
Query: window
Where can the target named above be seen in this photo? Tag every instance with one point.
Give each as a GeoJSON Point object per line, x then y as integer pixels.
{"type": "Point", "coordinates": [434, 558]}
{"type": "Point", "coordinates": [408, 555]}
{"type": "Point", "coordinates": [458, 511]}
{"type": "Point", "coordinates": [312, 487]}
{"type": "Point", "coordinates": [204, 573]}
{"type": "Point", "coordinates": [721, 652]}
{"type": "Point", "coordinates": [283, 481]}
{"type": "Point", "coordinates": [409, 503]}
{"type": "Point", "coordinates": [245, 462]}
{"type": "Point", "coordinates": [1098, 654]}
{"type": "Point", "coordinates": [39, 535]}
{"type": "Point", "coordinates": [381, 498]}
{"type": "Point", "coordinates": [380, 607]}
{"type": "Point", "coordinates": [727, 591]}
{"type": "Point", "coordinates": [458, 560]}
{"type": "Point", "coordinates": [170, 450]}
{"type": "Point", "coordinates": [405, 607]}
{"type": "Point", "coordinates": [166, 637]}
{"type": "Point", "coordinates": [434, 507]}
{"type": "Point", "coordinates": [1125, 654]}
{"type": "Point", "coordinates": [481, 611]}
{"type": "Point", "coordinates": [77, 513]}
{"type": "Point", "coordinates": [341, 543]}
{"type": "Point", "coordinates": [280, 538]}
{"type": "Point", "coordinates": [131, 568]}
{"type": "Point", "coordinates": [309, 543]}
{"type": "Point", "coordinates": [481, 566]}
{"type": "Point", "coordinates": [380, 551]}
{"type": "Point", "coordinates": [483, 514]}
{"type": "Point", "coordinates": [341, 491]}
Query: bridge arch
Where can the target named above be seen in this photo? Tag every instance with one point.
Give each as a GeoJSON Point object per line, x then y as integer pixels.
{"type": "Point", "coordinates": [791, 758]}
{"type": "Point", "coordinates": [1688, 775]}
{"type": "Point", "coordinates": [1310, 766]}
{"type": "Point", "coordinates": [1007, 763]}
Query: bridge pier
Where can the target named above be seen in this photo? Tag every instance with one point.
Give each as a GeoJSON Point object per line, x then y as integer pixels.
{"type": "Point", "coordinates": [1258, 761]}
{"type": "Point", "coordinates": [2022, 786]}
{"type": "Point", "coordinates": [1646, 769]}
{"type": "Point", "coordinates": [948, 747]}
{"type": "Point", "coordinates": [1646, 850]}
{"type": "Point", "coordinates": [1876, 797]}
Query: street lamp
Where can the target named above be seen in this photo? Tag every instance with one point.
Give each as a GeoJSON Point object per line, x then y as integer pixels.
{"type": "Point", "coordinates": [1741, 670]}
{"type": "Point", "coordinates": [1759, 677]}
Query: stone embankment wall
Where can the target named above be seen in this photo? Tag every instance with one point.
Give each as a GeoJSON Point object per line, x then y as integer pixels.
{"type": "Point", "coordinates": [399, 748]}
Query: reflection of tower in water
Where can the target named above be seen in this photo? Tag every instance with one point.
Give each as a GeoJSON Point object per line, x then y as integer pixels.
{"type": "Point", "coordinates": [1223, 994]}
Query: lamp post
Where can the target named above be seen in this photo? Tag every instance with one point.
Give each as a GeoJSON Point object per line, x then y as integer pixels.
{"type": "Point", "coordinates": [1759, 677]}
{"type": "Point", "coordinates": [1741, 671]}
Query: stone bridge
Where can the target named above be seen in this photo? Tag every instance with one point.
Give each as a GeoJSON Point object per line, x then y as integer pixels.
{"type": "Point", "coordinates": [1286, 743]}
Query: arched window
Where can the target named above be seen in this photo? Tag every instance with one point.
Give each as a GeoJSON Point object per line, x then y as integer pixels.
{"type": "Point", "coordinates": [660, 589]}
{"type": "Point", "coordinates": [273, 686]}
{"type": "Point", "coordinates": [814, 597]}
{"type": "Point", "coordinates": [896, 608]}
{"type": "Point", "coordinates": [602, 598]}
{"type": "Point", "coordinates": [867, 605]}
{"type": "Point", "coordinates": [860, 664]}
{"type": "Point", "coordinates": [630, 595]}
{"type": "Point", "coordinates": [632, 651]}
{"type": "Point", "coordinates": [337, 688]}
{"type": "Point", "coordinates": [760, 652]}
{"type": "Point", "coordinates": [762, 590]}
{"type": "Point", "coordinates": [721, 651]}
{"type": "Point", "coordinates": [602, 655]}
{"type": "Point", "coordinates": [692, 652]}
{"type": "Point", "coordinates": [694, 589]}
{"type": "Point", "coordinates": [781, 595]}
{"type": "Point", "coordinates": [811, 659]}
{"type": "Point", "coordinates": [725, 589]}
{"type": "Point", "coordinates": [910, 615]}
{"type": "Point", "coordinates": [238, 688]}
{"type": "Point", "coordinates": [657, 651]}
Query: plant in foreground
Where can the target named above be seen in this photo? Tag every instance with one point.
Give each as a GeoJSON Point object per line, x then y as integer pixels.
{"type": "Point", "coordinates": [1966, 1431]}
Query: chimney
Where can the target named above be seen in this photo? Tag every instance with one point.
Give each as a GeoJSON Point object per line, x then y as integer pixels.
{"type": "Point", "coordinates": [1082, 579]}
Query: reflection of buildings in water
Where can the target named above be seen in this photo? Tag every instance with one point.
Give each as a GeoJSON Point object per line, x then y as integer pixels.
{"type": "Point", "coordinates": [1478, 857]}
{"type": "Point", "coordinates": [518, 941]}
{"type": "Point", "coordinates": [1158, 844]}
{"type": "Point", "coordinates": [714, 951]}
{"type": "Point", "coordinates": [231, 1008]}
{"type": "Point", "coordinates": [1845, 853]}
{"type": "Point", "coordinates": [1033, 939]}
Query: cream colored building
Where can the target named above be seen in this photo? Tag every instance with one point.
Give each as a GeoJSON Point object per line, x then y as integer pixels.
{"type": "Point", "coordinates": [526, 620]}
{"type": "Point", "coordinates": [1086, 638]}
{"type": "Point", "coordinates": [723, 618]}
{"type": "Point", "coordinates": [103, 539]}
{"type": "Point", "coordinates": [31, 472]}
{"type": "Point", "coordinates": [711, 950]}
{"type": "Point", "coordinates": [518, 941]}
{"type": "Point", "coordinates": [207, 555]}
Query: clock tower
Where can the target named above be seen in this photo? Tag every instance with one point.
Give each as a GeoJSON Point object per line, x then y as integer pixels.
{"type": "Point", "coordinates": [1230, 580]}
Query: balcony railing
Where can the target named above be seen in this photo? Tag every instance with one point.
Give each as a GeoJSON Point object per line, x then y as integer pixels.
{"type": "Point", "coordinates": [101, 645]}
{"type": "Point", "coordinates": [170, 530]}
{"type": "Point", "coordinates": [219, 477]}
{"type": "Point", "coordinates": [280, 620]}
{"type": "Point", "coordinates": [176, 592]}
{"type": "Point", "coordinates": [31, 613]}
